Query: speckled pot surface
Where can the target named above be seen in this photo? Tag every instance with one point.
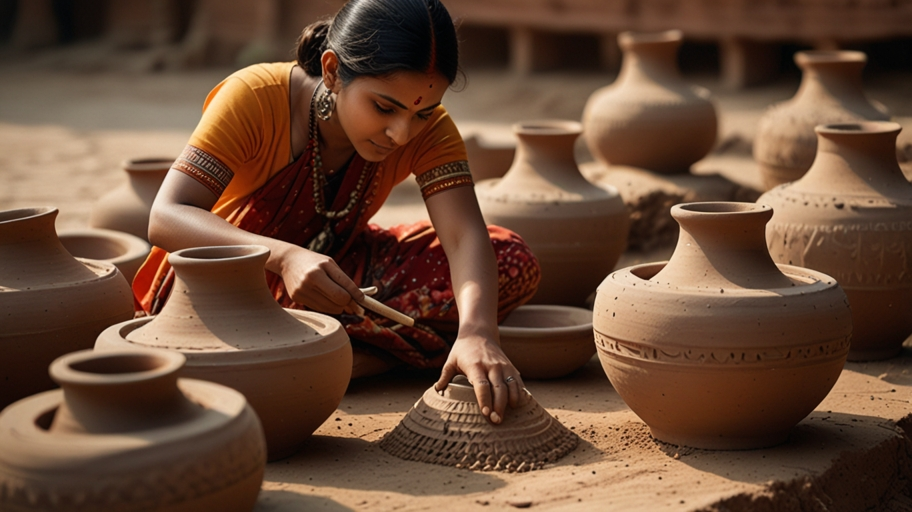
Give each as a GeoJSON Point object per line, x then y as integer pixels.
{"type": "Point", "coordinates": [850, 216]}
{"type": "Point", "coordinates": [127, 207]}
{"type": "Point", "coordinates": [720, 348]}
{"type": "Point", "coordinates": [577, 230]}
{"type": "Point", "coordinates": [125, 434]}
{"type": "Point", "coordinates": [51, 303]}
{"type": "Point", "coordinates": [830, 92]}
{"type": "Point", "coordinates": [293, 366]}
{"type": "Point", "coordinates": [649, 117]}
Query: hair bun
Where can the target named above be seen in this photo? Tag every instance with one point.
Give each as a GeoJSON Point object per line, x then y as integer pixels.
{"type": "Point", "coordinates": [310, 46]}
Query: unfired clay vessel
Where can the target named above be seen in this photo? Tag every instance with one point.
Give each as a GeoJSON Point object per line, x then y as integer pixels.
{"type": "Point", "coordinates": [50, 303]}
{"type": "Point", "coordinates": [720, 348]}
{"type": "Point", "coordinates": [830, 92]}
{"type": "Point", "coordinates": [576, 229]}
{"type": "Point", "coordinates": [125, 434]}
{"type": "Point", "coordinates": [293, 366]}
{"type": "Point", "coordinates": [547, 341]}
{"type": "Point", "coordinates": [649, 117]}
{"type": "Point", "coordinates": [127, 252]}
{"type": "Point", "coordinates": [126, 208]}
{"type": "Point", "coordinates": [448, 428]}
{"type": "Point", "coordinates": [851, 217]}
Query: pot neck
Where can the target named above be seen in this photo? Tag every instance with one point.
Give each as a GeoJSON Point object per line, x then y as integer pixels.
{"type": "Point", "coordinates": [648, 58]}
{"type": "Point", "coordinates": [120, 392]}
{"type": "Point", "coordinates": [831, 75]}
{"type": "Point", "coordinates": [31, 252]}
{"type": "Point", "coordinates": [722, 246]}
{"type": "Point", "coordinates": [856, 157]}
{"type": "Point", "coordinates": [545, 156]}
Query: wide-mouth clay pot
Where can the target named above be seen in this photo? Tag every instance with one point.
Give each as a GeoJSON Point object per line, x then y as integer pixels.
{"type": "Point", "coordinates": [125, 251]}
{"type": "Point", "coordinates": [293, 366]}
{"type": "Point", "coordinates": [448, 428]}
{"type": "Point", "coordinates": [547, 341]}
{"type": "Point", "coordinates": [125, 434]}
{"type": "Point", "coordinates": [51, 303]}
{"type": "Point", "coordinates": [720, 348]}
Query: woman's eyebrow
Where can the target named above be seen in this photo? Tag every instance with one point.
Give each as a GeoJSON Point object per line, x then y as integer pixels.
{"type": "Point", "coordinates": [403, 107]}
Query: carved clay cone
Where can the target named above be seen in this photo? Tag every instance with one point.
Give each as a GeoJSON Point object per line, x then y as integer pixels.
{"type": "Point", "coordinates": [850, 216]}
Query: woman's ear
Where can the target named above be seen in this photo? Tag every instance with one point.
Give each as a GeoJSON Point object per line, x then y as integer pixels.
{"type": "Point", "coordinates": [330, 62]}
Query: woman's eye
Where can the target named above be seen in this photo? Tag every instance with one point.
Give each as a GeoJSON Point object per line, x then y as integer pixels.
{"type": "Point", "coordinates": [383, 110]}
{"type": "Point", "coordinates": [424, 117]}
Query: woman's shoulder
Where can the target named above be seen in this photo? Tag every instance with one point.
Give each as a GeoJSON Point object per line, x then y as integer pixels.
{"type": "Point", "coordinates": [264, 74]}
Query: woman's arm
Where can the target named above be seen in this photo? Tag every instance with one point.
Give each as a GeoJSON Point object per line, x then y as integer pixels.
{"type": "Point", "coordinates": [473, 270]}
{"type": "Point", "coordinates": [180, 218]}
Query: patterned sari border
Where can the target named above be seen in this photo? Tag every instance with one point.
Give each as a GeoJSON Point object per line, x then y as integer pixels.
{"type": "Point", "coordinates": [445, 177]}
{"type": "Point", "coordinates": [204, 168]}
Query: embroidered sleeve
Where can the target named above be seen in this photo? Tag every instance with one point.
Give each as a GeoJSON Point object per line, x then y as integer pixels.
{"type": "Point", "coordinates": [445, 177]}
{"type": "Point", "coordinates": [204, 168]}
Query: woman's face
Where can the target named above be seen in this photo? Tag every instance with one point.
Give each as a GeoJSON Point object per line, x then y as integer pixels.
{"type": "Point", "coordinates": [380, 114]}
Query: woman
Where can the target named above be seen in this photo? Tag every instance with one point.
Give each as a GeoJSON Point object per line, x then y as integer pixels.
{"type": "Point", "coordinates": [298, 156]}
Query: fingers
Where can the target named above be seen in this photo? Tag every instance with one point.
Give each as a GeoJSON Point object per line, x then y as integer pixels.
{"type": "Point", "coordinates": [446, 375]}
{"type": "Point", "coordinates": [500, 392]}
{"type": "Point", "coordinates": [516, 390]}
{"type": "Point", "coordinates": [483, 392]}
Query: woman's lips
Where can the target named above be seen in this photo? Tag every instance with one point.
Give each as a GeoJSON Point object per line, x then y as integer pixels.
{"type": "Point", "coordinates": [383, 149]}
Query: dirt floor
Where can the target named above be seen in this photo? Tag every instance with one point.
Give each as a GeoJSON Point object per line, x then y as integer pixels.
{"type": "Point", "coordinates": [65, 127]}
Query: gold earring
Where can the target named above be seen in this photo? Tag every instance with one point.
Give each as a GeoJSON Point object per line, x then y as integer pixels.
{"type": "Point", "coordinates": [325, 104]}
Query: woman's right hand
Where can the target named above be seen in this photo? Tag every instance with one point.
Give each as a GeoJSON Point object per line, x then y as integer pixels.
{"type": "Point", "coordinates": [315, 280]}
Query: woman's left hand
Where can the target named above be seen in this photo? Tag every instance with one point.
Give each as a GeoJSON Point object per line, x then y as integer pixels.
{"type": "Point", "coordinates": [497, 382]}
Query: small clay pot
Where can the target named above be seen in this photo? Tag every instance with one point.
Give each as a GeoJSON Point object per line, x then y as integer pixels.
{"type": "Point", "coordinates": [576, 230]}
{"type": "Point", "coordinates": [51, 303]}
{"type": "Point", "coordinates": [127, 207]}
{"type": "Point", "coordinates": [125, 251]}
{"type": "Point", "coordinates": [720, 348]}
{"type": "Point", "coordinates": [851, 217]}
{"type": "Point", "coordinates": [830, 92]}
{"type": "Point", "coordinates": [447, 428]}
{"type": "Point", "coordinates": [293, 366]}
{"type": "Point", "coordinates": [125, 434]}
{"type": "Point", "coordinates": [650, 117]}
{"type": "Point", "coordinates": [546, 341]}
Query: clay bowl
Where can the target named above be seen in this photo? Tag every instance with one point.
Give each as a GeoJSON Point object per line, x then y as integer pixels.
{"type": "Point", "coordinates": [448, 428]}
{"type": "Point", "coordinates": [127, 252]}
{"type": "Point", "coordinates": [547, 341]}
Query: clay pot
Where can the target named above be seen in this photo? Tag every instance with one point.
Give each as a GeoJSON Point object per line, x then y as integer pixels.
{"type": "Point", "coordinates": [546, 342]}
{"type": "Point", "coordinates": [830, 92]}
{"type": "Point", "coordinates": [126, 208]}
{"type": "Point", "coordinates": [51, 303]}
{"type": "Point", "coordinates": [720, 348]}
{"type": "Point", "coordinates": [125, 434]}
{"type": "Point", "coordinates": [293, 366]}
{"type": "Point", "coordinates": [448, 428]}
{"type": "Point", "coordinates": [649, 117]}
{"type": "Point", "coordinates": [576, 229]}
{"type": "Point", "coordinates": [489, 156]}
{"type": "Point", "coordinates": [851, 217]}
{"type": "Point", "coordinates": [123, 250]}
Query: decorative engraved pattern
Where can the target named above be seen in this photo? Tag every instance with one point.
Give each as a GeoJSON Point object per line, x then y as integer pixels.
{"type": "Point", "coordinates": [445, 177]}
{"type": "Point", "coordinates": [154, 488]}
{"type": "Point", "coordinates": [204, 168]}
{"type": "Point", "coordinates": [734, 356]}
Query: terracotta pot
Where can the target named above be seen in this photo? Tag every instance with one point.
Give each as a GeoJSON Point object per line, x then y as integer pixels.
{"type": "Point", "coordinates": [489, 157]}
{"type": "Point", "coordinates": [51, 303]}
{"type": "Point", "coordinates": [650, 117]}
{"type": "Point", "coordinates": [293, 366]}
{"type": "Point", "coordinates": [546, 342]}
{"type": "Point", "coordinates": [851, 217]}
{"type": "Point", "coordinates": [125, 251]}
{"type": "Point", "coordinates": [830, 92]}
{"type": "Point", "coordinates": [576, 229]}
{"type": "Point", "coordinates": [720, 348]}
{"type": "Point", "coordinates": [126, 208]}
{"type": "Point", "coordinates": [447, 428]}
{"type": "Point", "coordinates": [124, 434]}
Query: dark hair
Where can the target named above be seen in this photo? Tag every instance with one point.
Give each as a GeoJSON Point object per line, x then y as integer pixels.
{"type": "Point", "coordinates": [378, 37]}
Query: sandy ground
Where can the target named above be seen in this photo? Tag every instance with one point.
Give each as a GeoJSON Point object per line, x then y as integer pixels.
{"type": "Point", "coordinates": [63, 134]}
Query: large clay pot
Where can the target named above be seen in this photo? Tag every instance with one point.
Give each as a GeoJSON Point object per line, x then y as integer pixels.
{"type": "Point", "coordinates": [547, 341]}
{"type": "Point", "coordinates": [126, 208]}
{"type": "Point", "coordinates": [293, 366]}
{"type": "Point", "coordinates": [127, 252]}
{"type": "Point", "coordinates": [50, 303]}
{"type": "Point", "coordinates": [125, 434]}
{"type": "Point", "coordinates": [720, 348]}
{"type": "Point", "coordinates": [650, 117]}
{"type": "Point", "coordinates": [576, 229]}
{"type": "Point", "coordinates": [850, 216]}
{"type": "Point", "coordinates": [446, 427]}
{"type": "Point", "coordinates": [830, 92]}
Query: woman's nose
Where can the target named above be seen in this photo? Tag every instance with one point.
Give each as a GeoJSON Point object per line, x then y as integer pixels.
{"type": "Point", "coordinates": [398, 131]}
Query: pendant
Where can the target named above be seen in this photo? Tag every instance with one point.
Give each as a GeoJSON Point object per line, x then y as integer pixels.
{"type": "Point", "coordinates": [323, 241]}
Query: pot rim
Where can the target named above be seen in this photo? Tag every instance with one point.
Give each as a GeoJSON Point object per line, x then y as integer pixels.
{"type": "Point", "coordinates": [512, 330]}
{"type": "Point", "coordinates": [18, 214]}
{"type": "Point", "coordinates": [138, 365]}
{"type": "Point", "coordinates": [859, 128]}
{"type": "Point", "coordinates": [217, 254]}
{"type": "Point", "coordinates": [829, 56]}
{"type": "Point", "coordinates": [548, 127]}
{"type": "Point", "coordinates": [715, 208]}
{"type": "Point", "coordinates": [632, 37]}
{"type": "Point", "coordinates": [150, 164]}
